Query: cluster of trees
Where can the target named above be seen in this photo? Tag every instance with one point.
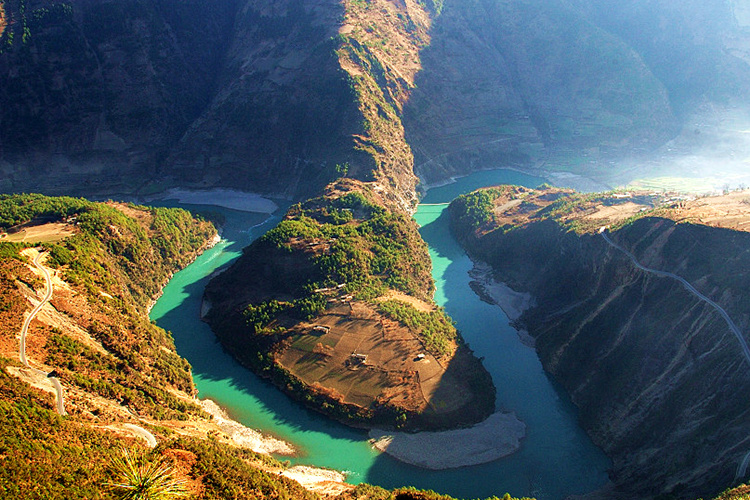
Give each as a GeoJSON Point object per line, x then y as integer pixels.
{"type": "Point", "coordinates": [435, 328]}
{"type": "Point", "coordinates": [259, 316]}
{"type": "Point", "coordinates": [370, 248]}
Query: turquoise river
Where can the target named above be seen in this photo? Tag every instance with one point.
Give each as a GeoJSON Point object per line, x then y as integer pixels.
{"type": "Point", "coordinates": [556, 458]}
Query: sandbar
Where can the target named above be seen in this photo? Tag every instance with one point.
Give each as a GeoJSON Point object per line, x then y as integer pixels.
{"type": "Point", "coordinates": [244, 436]}
{"type": "Point", "coordinates": [512, 303]}
{"type": "Point", "coordinates": [498, 436]}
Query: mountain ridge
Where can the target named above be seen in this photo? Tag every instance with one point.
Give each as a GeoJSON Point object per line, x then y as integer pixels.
{"type": "Point", "coordinates": [138, 96]}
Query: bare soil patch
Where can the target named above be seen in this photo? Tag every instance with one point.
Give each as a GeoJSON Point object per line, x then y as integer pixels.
{"type": "Point", "coordinates": [419, 305]}
{"type": "Point", "coordinates": [143, 217]}
{"type": "Point", "coordinates": [39, 233]}
{"type": "Point", "coordinates": [730, 211]}
{"type": "Point", "coordinates": [355, 352]}
{"type": "Point", "coordinates": [617, 212]}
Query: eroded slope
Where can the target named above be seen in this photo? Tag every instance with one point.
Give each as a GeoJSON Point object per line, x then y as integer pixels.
{"type": "Point", "coordinates": [659, 378]}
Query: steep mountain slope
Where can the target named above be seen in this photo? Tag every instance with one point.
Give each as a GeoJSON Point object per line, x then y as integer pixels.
{"type": "Point", "coordinates": [659, 378]}
{"type": "Point", "coordinates": [283, 110]}
{"type": "Point", "coordinates": [518, 83]}
{"type": "Point", "coordinates": [139, 95]}
{"type": "Point", "coordinates": [111, 262]}
{"type": "Point", "coordinates": [700, 54]}
{"type": "Point", "coordinates": [95, 94]}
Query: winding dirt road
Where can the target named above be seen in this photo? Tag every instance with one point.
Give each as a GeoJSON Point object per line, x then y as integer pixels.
{"type": "Point", "coordinates": [143, 433]}
{"type": "Point", "coordinates": [742, 467]}
{"type": "Point", "coordinates": [30, 317]}
{"type": "Point", "coordinates": [60, 401]}
{"type": "Point", "coordinates": [664, 274]}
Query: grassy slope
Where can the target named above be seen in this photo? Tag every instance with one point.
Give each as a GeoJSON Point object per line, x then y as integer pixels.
{"type": "Point", "coordinates": [45, 455]}
{"type": "Point", "coordinates": [113, 266]}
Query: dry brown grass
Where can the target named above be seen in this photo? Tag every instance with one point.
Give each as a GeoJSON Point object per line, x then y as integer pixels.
{"type": "Point", "coordinates": [392, 372]}
{"type": "Point", "coordinates": [142, 217]}
{"type": "Point", "coordinates": [41, 233]}
{"type": "Point", "coordinates": [3, 20]}
{"type": "Point", "coordinates": [616, 212]}
{"type": "Point", "coordinates": [419, 305]}
{"type": "Point", "coordinates": [731, 211]}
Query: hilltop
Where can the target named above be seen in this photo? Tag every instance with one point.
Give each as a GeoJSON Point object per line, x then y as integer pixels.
{"type": "Point", "coordinates": [339, 315]}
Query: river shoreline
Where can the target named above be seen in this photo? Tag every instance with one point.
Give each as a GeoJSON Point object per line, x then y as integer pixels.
{"type": "Point", "coordinates": [497, 437]}
{"type": "Point", "coordinates": [245, 437]}
{"type": "Point", "coordinates": [232, 199]}
{"type": "Point", "coordinates": [513, 303]}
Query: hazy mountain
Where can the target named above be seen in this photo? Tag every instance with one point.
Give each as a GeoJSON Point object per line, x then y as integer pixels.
{"type": "Point", "coordinates": [116, 96]}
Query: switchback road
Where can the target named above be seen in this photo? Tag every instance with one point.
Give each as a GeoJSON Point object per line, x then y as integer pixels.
{"type": "Point", "coordinates": [60, 403]}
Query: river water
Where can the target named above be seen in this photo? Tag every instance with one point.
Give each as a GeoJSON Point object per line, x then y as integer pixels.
{"type": "Point", "coordinates": [556, 458]}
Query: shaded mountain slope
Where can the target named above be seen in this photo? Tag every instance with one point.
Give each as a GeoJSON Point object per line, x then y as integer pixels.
{"type": "Point", "coordinates": [659, 378]}
{"type": "Point", "coordinates": [270, 97]}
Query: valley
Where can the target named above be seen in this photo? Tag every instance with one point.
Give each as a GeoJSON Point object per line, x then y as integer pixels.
{"type": "Point", "coordinates": [323, 141]}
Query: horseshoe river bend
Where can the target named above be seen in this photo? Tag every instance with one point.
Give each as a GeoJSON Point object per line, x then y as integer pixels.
{"type": "Point", "coordinates": [556, 458]}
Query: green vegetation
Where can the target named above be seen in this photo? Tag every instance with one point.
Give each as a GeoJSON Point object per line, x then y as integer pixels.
{"type": "Point", "coordinates": [258, 317]}
{"type": "Point", "coordinates": [435, 328]}
{"type": "Point", "coordinates": [45, 455]}
{"type": "Point", "coordinates": [349, 240]}
{"type": "Point", "coordinates": [116, 264]}
{"type": "Point", "coordinates": [368, 247]}
{"type": "Point", "coordinates": [227, 472]}
{"type": "Point", "coordinates": [475, 212]}
{"type": "Point", "coordinates": [144, 255]}
{"type": "Point", "coordinates": [142, 479]}
{"type": "Point", "coordinates": [741, 492]}
{"type": "Point", "coordinates": [64, 458]}
{"type": "Point", "coordinates": [476, 208]}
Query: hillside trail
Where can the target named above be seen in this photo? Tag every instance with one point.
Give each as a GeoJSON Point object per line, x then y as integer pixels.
{"type": "Point", "coordinates": [664, 274]}
{"type": "Point", "coordinates": [60, 401]}
{"type": "Point", "coordinates": [743, 465]}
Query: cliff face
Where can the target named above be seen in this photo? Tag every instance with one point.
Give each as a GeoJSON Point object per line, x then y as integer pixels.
{"type": "Point", "coordinates": [138, 95]}
{"type": "Point", "coordinates": [660, 380]}
{"type": "Point", "coordinates": [282, 111]}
